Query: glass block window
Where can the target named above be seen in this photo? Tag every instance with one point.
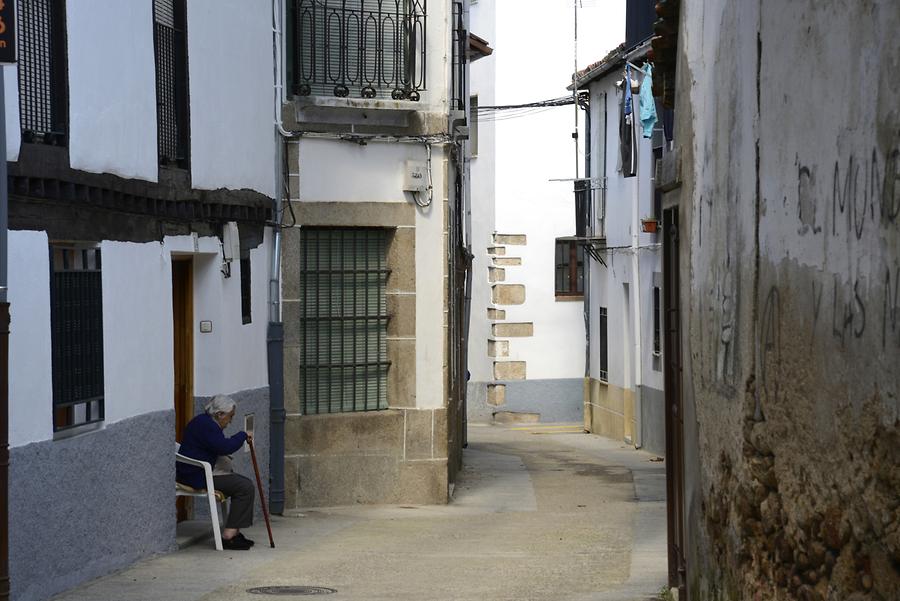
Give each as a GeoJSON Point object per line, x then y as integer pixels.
{"type": "Point", "coordinates": [76, 325]}
{"type": "Point", "coordinates": [43, 95]}
{"type": "Point", "coordinates": [170, 47]}
{"type": "Point", "coordinates": [343, 320]}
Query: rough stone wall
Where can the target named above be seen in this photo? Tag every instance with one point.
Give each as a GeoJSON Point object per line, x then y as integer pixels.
{"type": "Point", "coordinates": [789, 124]}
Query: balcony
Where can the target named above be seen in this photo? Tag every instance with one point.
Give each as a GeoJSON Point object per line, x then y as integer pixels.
{"type": "Point", "coordinates": [358, 49]}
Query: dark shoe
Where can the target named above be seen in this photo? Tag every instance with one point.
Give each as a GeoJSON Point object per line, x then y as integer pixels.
{"type": "Point", "coordinates": [236, 543]}
{"type": "Point", "coordinates": [241, 536]}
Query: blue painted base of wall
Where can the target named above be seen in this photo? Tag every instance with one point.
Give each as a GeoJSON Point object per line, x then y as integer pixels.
{"type": "Point", "coordinates": [84, 506]}
{"type": "Point", "coordinates": [557, 400]}
{"type": "Point", "coordinates": [255, 401]}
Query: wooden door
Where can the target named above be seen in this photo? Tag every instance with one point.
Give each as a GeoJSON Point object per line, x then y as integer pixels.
{"type": "Point", "coordinates": [674, 404]}
{"type": "Point", "coordinates": [183, 352]}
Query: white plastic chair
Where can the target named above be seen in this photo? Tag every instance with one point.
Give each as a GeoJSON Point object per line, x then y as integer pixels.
{"type": "Point", "coordinates": [214, 496]}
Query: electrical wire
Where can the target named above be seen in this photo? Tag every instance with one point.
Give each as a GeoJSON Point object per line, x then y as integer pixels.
{"type": "Point", "coordinates": [550, 102]}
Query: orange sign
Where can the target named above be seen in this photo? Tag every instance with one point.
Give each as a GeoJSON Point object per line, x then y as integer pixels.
{"type": "Point", "coordinates": [7, 32]}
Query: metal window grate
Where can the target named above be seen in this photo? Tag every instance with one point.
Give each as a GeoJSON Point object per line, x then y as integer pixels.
{"type": "Point", "coordinates": [246, 288]}
{"type": "Point", "coordinates": [76, 318]}
{"type": "Point", "coordinates": [343, 320]}
{"type": "Point", "coordinates": [604, 350]}
{"type": "Point", "coordinates": [460, 48]}
{"type": "Point", "coordinates": [41, 68]}
{"type": "Point", "coordinates": [170, 45]}
{"type": "Point", "coordinates": [657, 326]}
{"type": "Point", "coordinates": [569, 268]}
{"type": "Point", "coordinates": [363, 48]}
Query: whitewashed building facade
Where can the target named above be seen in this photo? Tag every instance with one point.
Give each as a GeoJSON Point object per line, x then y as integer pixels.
{"type": "Point", "coordinates": [141, 176]}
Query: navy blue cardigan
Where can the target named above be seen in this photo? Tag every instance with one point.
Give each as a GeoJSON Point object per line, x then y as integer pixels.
{"type": "Point", "coordinates": [204, 440]}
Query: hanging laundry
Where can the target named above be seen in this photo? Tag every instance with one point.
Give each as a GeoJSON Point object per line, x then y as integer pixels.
{"type": "Point", "coordinates": [627, 131]}
{"type": "Point", "coordinates": [648, 105]}
{"type": "Point", "coordinates": [668, 119]}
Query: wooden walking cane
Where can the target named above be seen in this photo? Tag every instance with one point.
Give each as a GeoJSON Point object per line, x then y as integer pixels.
{"type": "Point", "coordinates": [262, 496]}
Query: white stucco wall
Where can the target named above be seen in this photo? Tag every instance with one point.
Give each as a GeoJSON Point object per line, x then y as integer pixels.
{"type": "Point", "coordinates": [11, 101]}
{"type": "Point", "coordinates": [483, 74]}
{"type": "Point", "coordinates": [339, 171]}
{"type": "Point", "coordinates": [137, 329]}
{"type": "Point", "coordinates": [112, 92]}
{"type": "Point", "coordinates": [530, 151]}
{"type": "Point", "coordinates": [30, 379]}
{"type": "Point", "coordinates": [112, 88]}
{"type": "Point", "coordinates": [232, 357]}
{"type": "Point", "coordinates": [232, 94]}
{"type": "Point", "coordinates": [608, 282]}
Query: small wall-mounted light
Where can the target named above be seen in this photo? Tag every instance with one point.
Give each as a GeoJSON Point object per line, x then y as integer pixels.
{"type": "Point", "coordinates": [231, 246]}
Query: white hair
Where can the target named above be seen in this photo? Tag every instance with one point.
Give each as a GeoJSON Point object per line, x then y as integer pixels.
{"type": "Point", "coordinates": [219, 405]}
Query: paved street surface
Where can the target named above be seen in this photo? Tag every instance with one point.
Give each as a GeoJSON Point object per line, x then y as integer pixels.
{"type": "Point", "coordinates": [542, 512]}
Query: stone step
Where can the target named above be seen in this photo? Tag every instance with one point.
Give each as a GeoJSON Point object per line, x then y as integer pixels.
{"type": "Point", "coordinates": [516, 417]}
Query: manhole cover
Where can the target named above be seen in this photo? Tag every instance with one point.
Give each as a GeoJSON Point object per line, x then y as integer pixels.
{"type": "Point", "coordinates": [291, 590]}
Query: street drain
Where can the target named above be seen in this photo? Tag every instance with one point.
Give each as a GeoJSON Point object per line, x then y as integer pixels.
{"type": "Point", "coordinates": [291, 590]}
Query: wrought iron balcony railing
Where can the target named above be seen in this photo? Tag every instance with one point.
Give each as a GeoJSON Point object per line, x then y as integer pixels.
{"type": "Point", "coordinates": [359, 48]}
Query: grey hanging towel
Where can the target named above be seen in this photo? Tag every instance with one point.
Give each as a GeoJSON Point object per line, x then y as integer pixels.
{"type": "Point", "coordinates": [627, 131]}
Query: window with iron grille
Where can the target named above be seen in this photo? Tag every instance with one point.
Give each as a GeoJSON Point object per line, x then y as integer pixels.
{"type": "Point", "coordinates": [76, 325]}
{"type": "Point", "coordinates": [569, 268]}
{"type": "Point", "coordinates": [42, 71]}
{"type": "Point", "coordinates": [343, 320]}
{"type": "Point", "coordinates": [359, 48]}
{"type": "Point", "coordinates": [170, 46]}
{"type": "Point", "coordinates": [603, 342]}
{"type": "Point", "coordinates": [246, 287]}
{"type": "Point", "coordinates": [657, 325]}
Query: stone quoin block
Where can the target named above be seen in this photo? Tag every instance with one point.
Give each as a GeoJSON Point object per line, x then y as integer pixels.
{"type": "Point", "coordinates": [509, 370]}
{"type": "Point", "coordinates": [496, 274]}
{"type": "Point", "coordinates": [498, 348]}
{"type": "Point", "coordinates": [496, 394]}
{"type": "Point", "coordinates": [496, 313]}
{"type": "Point", "coordinates": [496, 250]}
{"type": "Point", "coordinates": [508, 294]}
{"type": "Point", "coordinates": [513, 330]}
{"type": "Point", "coordinates": [512, 239]}
{"type": "Point", "coordinates": [507, 261]}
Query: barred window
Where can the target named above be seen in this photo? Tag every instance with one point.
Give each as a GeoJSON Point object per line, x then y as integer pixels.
{"type": "Point", "coordinates": [42, 71]}
{"type": "Point", "coordinates": [604, 350]}
{"type": "Point", "coordinates": [170, 45]}
{"type": "Point", "coordinates": [343, 320]}
{"type": "Point", "coordinates": [569, 268]}
{"type": "Point", "coordinates": [76, 325]}
{"type": "Point", "coordinates": [657, 323]}
{"type": "Point", "coordinates": [246, 287]}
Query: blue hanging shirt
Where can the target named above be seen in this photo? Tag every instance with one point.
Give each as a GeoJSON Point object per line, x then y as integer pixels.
{"type": "Point", "coordinates": [648, 104]}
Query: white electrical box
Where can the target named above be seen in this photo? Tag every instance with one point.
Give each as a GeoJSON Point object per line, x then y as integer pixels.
{"type": "Point", "coordinates": [231, 242]}
{"type": "Point", "coordinates": [415, 177]}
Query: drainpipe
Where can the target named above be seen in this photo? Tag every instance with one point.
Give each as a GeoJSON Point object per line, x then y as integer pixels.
{"type": "Point", "coordinates": [4, 366]}
{"type": "Point", "coordinates": [636, 304]}
{"type": "Point", "coordinates": [586, 257]}
{"type": "Point", "coordinates": [275, 330]}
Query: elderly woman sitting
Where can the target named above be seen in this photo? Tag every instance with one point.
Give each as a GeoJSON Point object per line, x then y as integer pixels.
{"type": "Point", "coordinates": [205, 440]}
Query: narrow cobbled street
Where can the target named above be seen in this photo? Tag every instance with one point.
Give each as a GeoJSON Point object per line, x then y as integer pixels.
{"type": "Point", "coordinates": [540, 512]}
